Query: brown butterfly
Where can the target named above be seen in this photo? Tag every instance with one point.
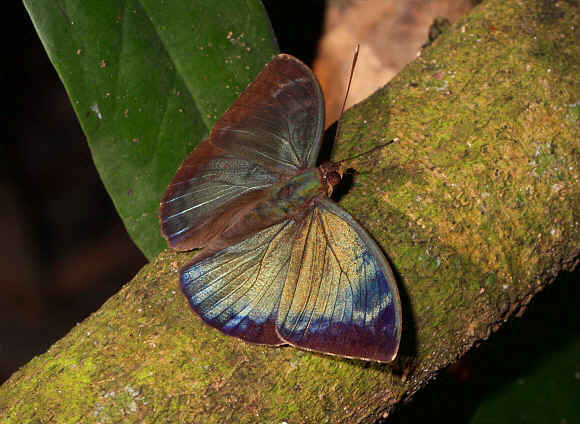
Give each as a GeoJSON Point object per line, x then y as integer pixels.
{"type": "Point", "coordinates": [283, 263]}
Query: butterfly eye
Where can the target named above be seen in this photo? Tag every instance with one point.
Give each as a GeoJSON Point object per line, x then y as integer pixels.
{"type": "Point", "coordinates": [333, 178]}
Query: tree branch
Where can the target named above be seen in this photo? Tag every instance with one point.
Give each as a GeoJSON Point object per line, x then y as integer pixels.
{"type": "Point", "coordinates": [476, 206]}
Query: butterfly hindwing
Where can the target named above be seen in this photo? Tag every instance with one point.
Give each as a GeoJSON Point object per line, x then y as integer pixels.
{"type": "Point", "coordinates": [320, 283]}
{"type": "Point", "coordinates": [237, 289]}
{"type": "Point", "coordinates": [340, 296]}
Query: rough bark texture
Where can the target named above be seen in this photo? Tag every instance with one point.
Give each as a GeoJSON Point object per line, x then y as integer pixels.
{"type": "Point", "coordinates": [476, 204]}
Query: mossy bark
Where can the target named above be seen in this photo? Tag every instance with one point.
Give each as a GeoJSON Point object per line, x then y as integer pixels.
{"type": "Point", "coordinates": [476, 205]}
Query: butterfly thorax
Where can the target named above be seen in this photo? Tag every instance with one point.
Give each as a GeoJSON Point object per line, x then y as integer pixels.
{"type": "Point", "coordinates": [296, 194]}
{"type": "Point", "coordinates": [302, 192]}
{"type": "Point", "coordinates": [289, 199]}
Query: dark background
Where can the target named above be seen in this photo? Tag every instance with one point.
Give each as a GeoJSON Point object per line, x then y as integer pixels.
{"type": "Point", "coordinates": [64, 250]}
{"type": "Point", "coordinates": [63, 247]}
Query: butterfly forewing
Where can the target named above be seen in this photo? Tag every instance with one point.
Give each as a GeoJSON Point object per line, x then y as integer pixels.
{"type": "Point", "coordinates": [340, 295]}
{"type": "Point", "coordinates": [278, 120]}
{"type": "Point", "coordinates": [211, 190]}
{"type": "Point", "coordinates": [270, 132]}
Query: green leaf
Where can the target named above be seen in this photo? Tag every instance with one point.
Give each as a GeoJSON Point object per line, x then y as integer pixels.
{"type": "Point", "coordinates": [147, 80]}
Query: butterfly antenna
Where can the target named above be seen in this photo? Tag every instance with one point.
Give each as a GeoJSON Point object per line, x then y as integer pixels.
{"type": "Point", "coordinates": [370, 150]}
{"type": "Point", "coordinates": [342, 111]}
{"type": "Point", "coordinates": [347, 90]}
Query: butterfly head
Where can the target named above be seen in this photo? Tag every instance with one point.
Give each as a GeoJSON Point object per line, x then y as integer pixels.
{"type": "Point", "coordinates": [331, 175]}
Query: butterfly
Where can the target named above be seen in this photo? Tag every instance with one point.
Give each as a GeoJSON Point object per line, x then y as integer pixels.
{"type": "Point", "coordinates": [282, 262]}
